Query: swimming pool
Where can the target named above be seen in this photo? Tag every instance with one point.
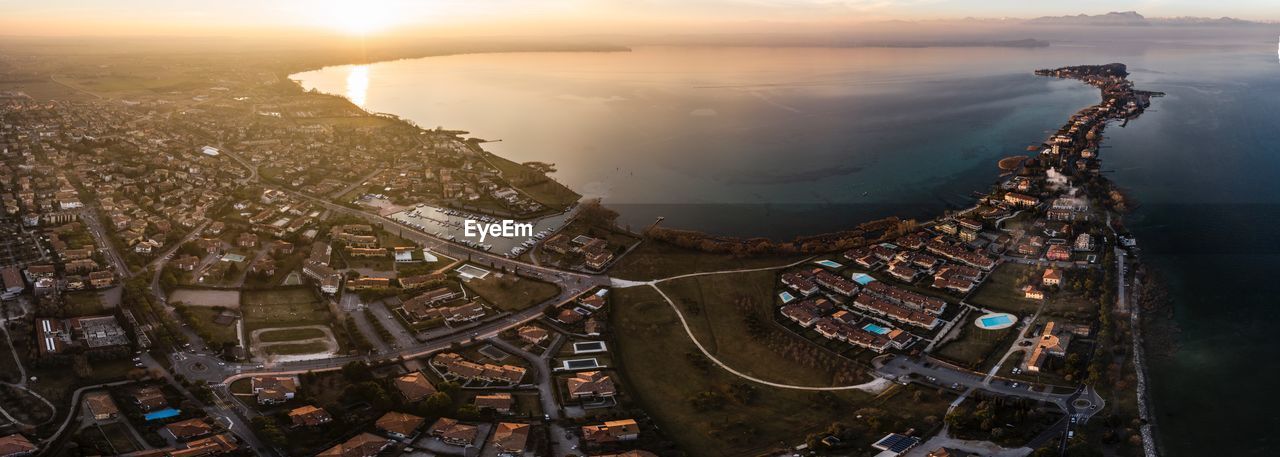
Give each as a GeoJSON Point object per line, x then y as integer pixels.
{"type": "Point", "coordinates": [786, 297]}
{"type": "Point", "coordinates": [876, 329]}
{"type": "Point", "coordinates": [829, 263]}
{"type": "Point", "coordinates": [161, 414]}
{"type": "Point", "coordinates": [863, 278]}
{"type": "Point", "coordinates": [995, 321]}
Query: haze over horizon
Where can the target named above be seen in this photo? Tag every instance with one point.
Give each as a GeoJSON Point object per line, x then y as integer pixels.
{"type": "Point", "coordinates": [400, 18]}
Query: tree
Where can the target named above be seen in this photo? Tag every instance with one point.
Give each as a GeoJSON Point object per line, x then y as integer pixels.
{"type": "Point", "coordinates": [356, 372]}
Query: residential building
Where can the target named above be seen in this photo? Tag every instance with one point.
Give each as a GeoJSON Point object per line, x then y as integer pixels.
{"type": "Point", "coordinates": [612, 431]}
{"type": "Point", "coordinates": [414, 386]}
{"type": "Point", "coordinates": [499, 402]}
{"type": "Point", "coordinates": [16, 445]}
{"type": "Point", "coordinates": [399, 425]}
{"type": "Point", "coordinates": [309, 416]}
{"type": "Point", "coordinates": [452, 432]}
{"type": "Point", "coordinates": [100, 406]}
{"type": "Point", "coordinates": [186, 430]}
{"type": "Point", "coordinates": [510, 439]}
{"type": "Point", "coordinates": [590, 384]}
{"type": "Point", "coordinates": [362, 445]}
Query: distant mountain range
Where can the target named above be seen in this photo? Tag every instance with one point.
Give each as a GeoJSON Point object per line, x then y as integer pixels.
{"type": "Point", "coordinates": [1133, 19]}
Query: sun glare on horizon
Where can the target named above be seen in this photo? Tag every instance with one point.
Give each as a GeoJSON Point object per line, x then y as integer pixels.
{"type": "Point", "coordinates": [357, 18]}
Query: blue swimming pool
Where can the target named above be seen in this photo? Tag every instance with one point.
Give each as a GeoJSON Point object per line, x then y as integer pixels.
{"type": "Point", "coordinates": [829, 263]}
{"type": "Point", "coordinates": [876, 329]}
{"type": "Point", "coordinates": [863, 278]}
{"type": "Point", "coordinates": [786, 297]}
{"type": "Point", "coordinates": [997, 320]}
{"type": "Point", "coordinates": [161, 414]}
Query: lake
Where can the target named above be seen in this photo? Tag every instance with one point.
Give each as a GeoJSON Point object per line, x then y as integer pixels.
{"type": "Point", "coordinates": [781, 142]}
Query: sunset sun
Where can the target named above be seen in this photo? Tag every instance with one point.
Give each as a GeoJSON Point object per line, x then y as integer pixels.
{"type": "Point", "coordinates": [356, 17]}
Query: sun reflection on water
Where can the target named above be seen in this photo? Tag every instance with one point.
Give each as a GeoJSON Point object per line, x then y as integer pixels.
{"type": "Point", "coordinates": [358, 84]}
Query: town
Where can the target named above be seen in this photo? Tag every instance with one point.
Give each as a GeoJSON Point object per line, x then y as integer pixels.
{"type": "Point", "coordinates": [229, 265]}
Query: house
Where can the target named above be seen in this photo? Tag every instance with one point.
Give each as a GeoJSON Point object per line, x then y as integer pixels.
{"type": "Point", "coordinates": [596, 301]}
{"type": "Point", "coordinates": [1031, 292]}
{"type": "Point", "coordinates": [362, 445]}
{"type": "Point", "coordinates": [247, 240]}
{"type": "Point", "coordinates": [186, 430]}
{"type": "Point", "coordinates": [13, 283]}
{"type": "Point", "coordinates": [101, 278]}
{"type": "Point", "coordinates": [510, 439]}
{"type": "Point", "coordinates": [1051, 277]}
{"type": "Point", "coordinates": [1017, 199]}
{"type": "Point", "coordinates": [186, 262]}
{"type": "Point", "coordinates": [368, 282]}
{"type": "Point", "coordinates": [16, 445]}
{"type": "Point", "coordinates": [100, 406]}
{"type": "Point", "coordinates": [309, 416]}
{"type": "Point", "coordinates": [451, 432]}
{"type": "Point", "coordinates": [1053, 342]}
{"type": "Point", "coordinates": [414, 386]}
{"type": "Point", "coordinates": [569, 316]}
{"type": "Point", "coordinates": [149, 399]}
{"type": "Point", "coordinates": [264, 266]}
{"type": "Point", "coordinates": [949, 452]}
{"type": "Point", "coordinates": [399, 425]}
{"type": "Point", "coordinates": [612, 431]}
{"type": "Point", "coordinates": [1058, 252]}
{"type": "Point", "coordinates": [799, 283]}
{"type": "Point", "coordinates": [590, 384]}
{"type": "Point", "coordinates": [273, 390]}
{"type": "Point", "coordinates": [414, 282]}
{"type": "Point", "coordinates": [1084, 242]}
{"type": "Point", "coordinates": [533, 334]}
{"type": "Point", "coordinates": [499, 402]}
{"type": "Point", "coordinates": [214, 445]}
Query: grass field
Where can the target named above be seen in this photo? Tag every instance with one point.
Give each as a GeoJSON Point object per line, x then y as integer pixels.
{"type": "Point", "coordinates": [220, 333]}
{"type": "Point", "coordinates": [714, 307]}
{"type": "Point", "coordinates": [1003, 289]}
{"type": "Point", "coordinates": [290, 334]}
{"type": "Point", "coordinates": [119, 437]}
{"type": "Point", "coordinates": [655, 259]}
{"type": "Point", "coordinates": [549, 192]}
{"type": "Point", "coordinates": [511, 292]}
{"type": "Point", "coordinates": [976, 347]}
{"type": "Point", "coordinates": [295, 348]}
{"type": "Point", "coordinates": [282, 307]}
{"type": "Point", "coordinates": [84, 303]}
{"type": "Point", "coordinates": [653, 351]}
{"type": "Point", "coordinates": [279, 296]}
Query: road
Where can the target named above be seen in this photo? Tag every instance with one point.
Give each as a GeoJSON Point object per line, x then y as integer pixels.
{"type": "Point", "coordinates": [565, 443]}
{"type": "Point", "coordinates": [1080, 404]}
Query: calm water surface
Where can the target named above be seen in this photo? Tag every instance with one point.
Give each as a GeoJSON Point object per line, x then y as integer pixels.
{"type": "Point", "coordinates": [780, 142]}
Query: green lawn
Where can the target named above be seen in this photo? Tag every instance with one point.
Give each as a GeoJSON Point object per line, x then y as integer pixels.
{"type": "Point", "coordinates": [1003, 289]}
{"type": "Point", "coordinates": [281, 295]}
{"type": "Point", "coordinates": [976, 347]}
{"type": "Point", "coordinates": [715, 307]}
{"type": "Point", "coordinates": [290, 334]}
{"type": "Point", "coordinates": [282, 307]}
{"type": "Point", "coordinates": [295, 348]}
{"type": "Point", "coordinates": [655, 259]}
{"type": "Point", "coordinates": [511, 292]}
{"type": "Point", "coordinates": [653, 351]}
{"type": "Point", "coordinates": [219, 333]}
{"type": "Point", "coordinates": [86, 303]}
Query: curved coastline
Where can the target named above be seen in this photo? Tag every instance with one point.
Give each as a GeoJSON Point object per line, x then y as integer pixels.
{"type": "Point", "coordinates": [1150, 445]}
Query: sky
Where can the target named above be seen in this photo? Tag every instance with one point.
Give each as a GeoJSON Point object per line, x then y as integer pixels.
{"type": "Point", "coordinates": [374, 17]}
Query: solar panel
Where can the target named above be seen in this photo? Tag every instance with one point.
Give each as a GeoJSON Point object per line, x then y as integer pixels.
{"type": "Point", "coordinates": [894, 442]}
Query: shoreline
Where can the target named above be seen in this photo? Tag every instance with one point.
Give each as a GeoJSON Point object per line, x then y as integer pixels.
{"type": "Point", "coordinates": [1106, 77]}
